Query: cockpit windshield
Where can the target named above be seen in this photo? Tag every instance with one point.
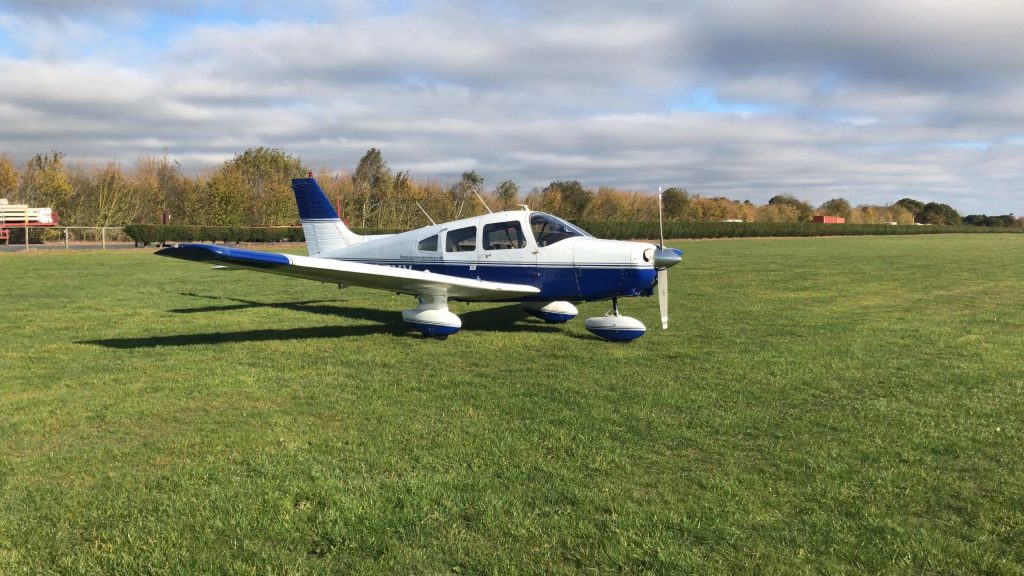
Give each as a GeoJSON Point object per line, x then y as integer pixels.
{"type": "Point", "coordinates": [548, 229]}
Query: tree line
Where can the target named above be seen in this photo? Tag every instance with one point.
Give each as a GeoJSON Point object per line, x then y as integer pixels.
{"type": "Point", "coordinates": [253, 189]}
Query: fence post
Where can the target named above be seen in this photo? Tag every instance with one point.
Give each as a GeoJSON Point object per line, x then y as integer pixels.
{"type": "Point", "coordinates": [103, 236]}
{"type": "Point", "coordinates": [66, 234]}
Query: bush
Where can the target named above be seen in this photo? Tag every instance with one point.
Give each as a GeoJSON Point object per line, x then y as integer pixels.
{"type": "Point", "coordinates": [147, 234]}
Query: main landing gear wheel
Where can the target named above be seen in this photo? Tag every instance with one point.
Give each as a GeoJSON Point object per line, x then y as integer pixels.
{"type": "Point", "coordinates": [551, 312]}
{"type": "Point", "coordinates": [432, 318]}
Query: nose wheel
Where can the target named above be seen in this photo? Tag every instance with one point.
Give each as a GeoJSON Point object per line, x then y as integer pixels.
{"type": "Point", "coordinates": [615, 327]}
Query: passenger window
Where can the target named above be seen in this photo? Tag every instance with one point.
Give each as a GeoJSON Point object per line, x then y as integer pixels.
{"type": "Point", "coordinates": [429, 244]}
{"type": "Point", "coordinates": [461, 240]}
{"type": "Point", "coordinates": [503, 236]}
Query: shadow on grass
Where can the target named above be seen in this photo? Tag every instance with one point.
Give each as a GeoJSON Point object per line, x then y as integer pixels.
{"type": "Point", "coordinates": [245, 336]}
{"type": "Point", "coordinates": [497, 319]}
{"type": "Point", "coordinates": [312, 306]}
{"type": "Point", "coordinates": [504, 319]}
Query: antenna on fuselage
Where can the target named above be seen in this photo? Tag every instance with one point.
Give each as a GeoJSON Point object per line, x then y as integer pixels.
{"type": "Point", "coordinates": [425, 214]}
{"type": "Point", "coordinates": [481, 199]}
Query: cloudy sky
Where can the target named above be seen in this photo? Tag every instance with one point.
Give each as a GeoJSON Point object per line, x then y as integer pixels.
{"type": "Point", "coordinates": [871, 100]}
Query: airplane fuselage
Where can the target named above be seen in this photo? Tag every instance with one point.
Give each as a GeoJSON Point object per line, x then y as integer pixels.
{"type": "Point", "coordinates": [518, 247]}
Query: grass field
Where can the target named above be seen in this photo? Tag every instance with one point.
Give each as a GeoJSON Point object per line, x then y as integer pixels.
{"type": "Point", "coordinates": [840, 405]}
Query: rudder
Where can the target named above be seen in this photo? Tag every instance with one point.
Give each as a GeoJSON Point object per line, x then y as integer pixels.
{"type": "Point", "coordinates": [323, 228]}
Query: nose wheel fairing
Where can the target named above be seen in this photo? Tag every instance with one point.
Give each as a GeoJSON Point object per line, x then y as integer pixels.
{"type": "Point", "coordinates": [615, 327]}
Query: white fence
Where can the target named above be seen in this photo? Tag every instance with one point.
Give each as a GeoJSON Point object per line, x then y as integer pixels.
{"type": "Point", "coordinates": [69, 236]}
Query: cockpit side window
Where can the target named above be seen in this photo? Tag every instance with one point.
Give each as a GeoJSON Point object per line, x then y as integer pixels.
{"type": "Point", "coordinates": [429, 244]}
{"type": "Point", "coordinates": [461, 240]}
{"type": "Point", "coordinates": [548, 229]}
{"type": "Point", "coordinates": [504, 236]}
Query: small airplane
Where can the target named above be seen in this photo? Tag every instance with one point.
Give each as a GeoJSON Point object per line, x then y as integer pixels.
{"type": "Point", "coordinates": [524, 256]}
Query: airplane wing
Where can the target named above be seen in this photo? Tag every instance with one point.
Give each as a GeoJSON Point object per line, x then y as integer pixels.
{"type": "Point", "coordinates": [351, 273]}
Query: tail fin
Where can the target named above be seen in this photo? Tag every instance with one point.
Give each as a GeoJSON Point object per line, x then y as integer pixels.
{"type": "Point", "coordinates": [323, 228]}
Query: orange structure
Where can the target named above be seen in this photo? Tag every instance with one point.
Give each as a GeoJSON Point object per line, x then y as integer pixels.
{"type": "Point", "coordinates": [830, 219]}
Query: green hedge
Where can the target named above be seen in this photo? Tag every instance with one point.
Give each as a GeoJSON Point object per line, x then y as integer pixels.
{"type": "Point", "coordinates": [625, 230]}
{"type": "Point", "coordinates": [147, 234]}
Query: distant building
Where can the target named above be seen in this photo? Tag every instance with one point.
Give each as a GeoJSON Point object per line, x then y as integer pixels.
{"type": "Point", "coordinates": [830, 219]}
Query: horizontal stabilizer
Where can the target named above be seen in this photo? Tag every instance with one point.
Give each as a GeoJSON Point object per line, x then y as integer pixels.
{"type": "Point", "coordinates": [238, 256]}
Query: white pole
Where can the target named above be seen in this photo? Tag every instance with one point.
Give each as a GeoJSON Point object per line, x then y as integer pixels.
{"type": "Point", "coordinates": [103, 237]}
{"type": "Point", "coordinates": [66, 233]}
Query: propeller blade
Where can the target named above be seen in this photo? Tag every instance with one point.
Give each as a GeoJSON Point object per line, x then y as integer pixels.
{"type": "Point", "coordinates": [661, 227]}
{"type": "Point", "coordinates": [663, 297]}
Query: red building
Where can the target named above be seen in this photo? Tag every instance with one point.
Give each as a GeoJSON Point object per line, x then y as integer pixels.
{"type": "Point", "coordinates": [830, 219]}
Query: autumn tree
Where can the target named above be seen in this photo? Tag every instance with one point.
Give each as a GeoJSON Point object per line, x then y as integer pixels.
{"type": "Point", "coordinates": [836, 207]}
{"type": "Point", "coordinates": [104, 196]}
{"type": "Point", "coordinates": [709, 209]}
{"type": "Point", "coordinates": [340, 191]}
{"type": "Point", "coordinates": [912, 206]}
{"type": "Point", "coordinates": [803, 209]}
{"type": "Point", "coordinates": [936, 213]}
{"type": "Point", "coordinates": [675, 202]}
{"type": "Point", "coordinates": [900, 215]}
{"type": "Point", "coordinates": [45, 182]}
{"type": "Point", "coordinates": [608, 204]}
{"type": "Point", "coordinates": [8, 178]}
{"type": "Point", "coordinates": [372, 182]}
{"type": "Point", "coordinates": [158, 183]}
{"type": "Point", "coordinates": [507, 195]}
{"type": "Point", "coordinates": [462, 192]}
{"type": "Point", "coordinates": [433, 195]}
{"type": "Point", "coordinates": [402, 209]}
{"type": "Point", "coordinates": [778, 212]}
{"type": "Point", "coordinates": [565, 198]}
{"type": "Point", "coordinates": [266, 174]}
{"type": "Point", "coordinates": [222, 201]}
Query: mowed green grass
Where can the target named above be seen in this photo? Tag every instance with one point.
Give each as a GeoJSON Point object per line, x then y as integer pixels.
{"type": "Point", "coordinates": [839, 405]}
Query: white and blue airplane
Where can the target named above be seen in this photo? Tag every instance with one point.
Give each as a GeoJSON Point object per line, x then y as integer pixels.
{"type": "Point", "coordinates": [522, 256]}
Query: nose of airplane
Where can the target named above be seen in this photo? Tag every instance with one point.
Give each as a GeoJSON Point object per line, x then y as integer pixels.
{"type": "Point", "coordinates": [667, 257]}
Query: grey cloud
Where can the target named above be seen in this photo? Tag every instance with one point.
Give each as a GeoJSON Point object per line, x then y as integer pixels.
{"type": "Point", "coordinates": [952, 45]}
{"type": "Point", "coordinates": [853, 101]}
